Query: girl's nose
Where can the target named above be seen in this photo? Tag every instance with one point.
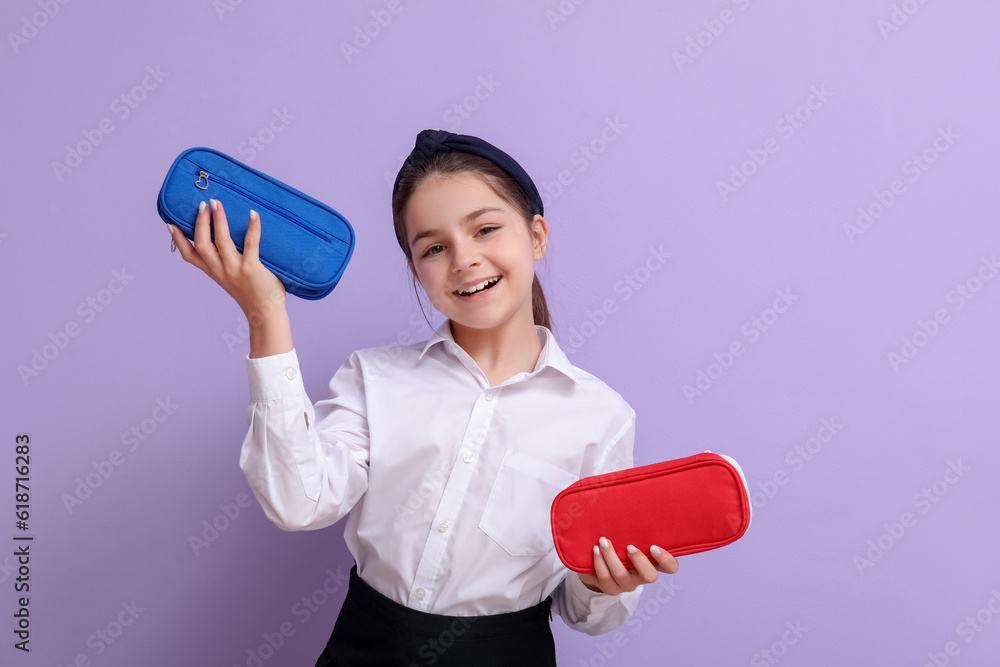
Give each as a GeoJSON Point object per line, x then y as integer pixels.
{"type": "Point", "coordinates": [463, 255]}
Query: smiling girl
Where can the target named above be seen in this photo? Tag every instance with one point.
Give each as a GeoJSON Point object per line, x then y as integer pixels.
{"type": "Point", "coordinates": [445, 455]}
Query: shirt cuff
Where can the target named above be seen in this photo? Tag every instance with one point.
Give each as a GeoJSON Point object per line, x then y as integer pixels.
{"type": "Point", "coordinates": [594, 612]}
{"type": "Point", "coordinates": [274, 377]}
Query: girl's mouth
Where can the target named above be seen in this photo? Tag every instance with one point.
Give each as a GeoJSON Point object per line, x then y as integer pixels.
{"type": "Point", "coordinates": [480, 293]}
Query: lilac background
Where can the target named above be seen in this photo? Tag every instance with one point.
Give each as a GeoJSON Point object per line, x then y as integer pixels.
{"type": "Point", "coordinates": [171, 334]}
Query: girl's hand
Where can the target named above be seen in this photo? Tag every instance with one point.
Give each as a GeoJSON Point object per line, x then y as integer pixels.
{"type": "Point", "coordinates": [251, 284]}
{"type": "Point", "coordinates": [257, 291]}
{"type": "Point", "coordinates": [613, 578]}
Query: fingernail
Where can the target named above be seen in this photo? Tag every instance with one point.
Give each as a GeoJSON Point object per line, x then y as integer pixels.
{"type": "Point", "coordinates": [655, 550]}
{"type": "Point", "coordinates": [597, 552]}
{"type": "Point", "coordinates": [214, 204]}
{"type": "Point", "coordinates": [631, 549]}
{"type": "Point", "coordinates": [604, 543]}
{"type": "Point", "coordinates": [201, 207]}
{"type": "Point", "coordinates": [253, 213]}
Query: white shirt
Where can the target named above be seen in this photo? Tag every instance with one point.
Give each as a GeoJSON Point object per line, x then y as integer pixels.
{"type": "Point", "coordinates": [448, 482]}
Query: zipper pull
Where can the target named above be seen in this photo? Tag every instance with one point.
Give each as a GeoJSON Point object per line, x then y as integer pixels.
{"type": "Point", "coordinates": [202, 175]}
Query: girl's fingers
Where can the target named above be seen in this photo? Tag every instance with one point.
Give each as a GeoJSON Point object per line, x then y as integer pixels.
{"type": "Point", "coordinates": [617, 569]}
{"type": "Point", "coordinates": [643, 568]}
{"type": "Point", "coordinates": [251, 242]}
{"type": "Point", "coordinates": [223, 241]}
{"type": "Point", "coordinates": [185, 248]}
{"type": "Point", "coordinates": [666, 562]}
{"type": "Point", "coordinates": [604, 578]}
{"type": "Point", "coordinates": [203, 239]}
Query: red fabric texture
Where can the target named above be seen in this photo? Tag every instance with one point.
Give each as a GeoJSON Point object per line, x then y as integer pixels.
{"type": "Point", "coordinates": [685, 506]}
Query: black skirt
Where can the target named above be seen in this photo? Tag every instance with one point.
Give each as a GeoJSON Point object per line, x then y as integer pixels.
{"type": "Point", "coordinates": [375, 630]}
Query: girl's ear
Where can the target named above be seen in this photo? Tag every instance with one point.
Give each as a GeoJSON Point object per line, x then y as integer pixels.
{"type": "Point", "coordinates": [540, 235]}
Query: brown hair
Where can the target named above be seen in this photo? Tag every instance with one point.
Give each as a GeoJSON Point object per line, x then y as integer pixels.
{"type": "Point", "coordinates": [451, 162]}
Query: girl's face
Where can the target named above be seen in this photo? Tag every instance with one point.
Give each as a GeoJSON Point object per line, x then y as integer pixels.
{"type": "Point", "coordinates": [462, 233]}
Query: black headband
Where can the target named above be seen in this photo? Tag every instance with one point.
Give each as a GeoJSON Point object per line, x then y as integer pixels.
{"type": "Point", "coordinates": [430, 142]}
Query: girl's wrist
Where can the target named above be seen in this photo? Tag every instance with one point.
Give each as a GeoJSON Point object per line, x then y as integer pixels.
{"type": "Point", "coordinates": [271, 335]}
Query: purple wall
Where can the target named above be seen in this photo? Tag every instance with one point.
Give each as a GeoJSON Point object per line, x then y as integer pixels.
{"type": "Point", "coordinates": [821, 175]}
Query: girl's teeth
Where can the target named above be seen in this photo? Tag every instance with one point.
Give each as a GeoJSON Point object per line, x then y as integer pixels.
{"type": "Point", "coordinates": [480, 287]}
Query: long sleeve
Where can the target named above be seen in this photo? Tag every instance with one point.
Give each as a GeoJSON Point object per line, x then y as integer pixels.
{"type": "Point", "coordinates": [589, 611]}
{"type": "Point", "coordinates": [581, 608]}
{"type": "Point", "coordinates": [307, 465]}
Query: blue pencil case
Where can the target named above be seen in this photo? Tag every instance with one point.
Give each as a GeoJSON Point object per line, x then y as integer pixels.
{"type": "Point", "coordinates": [304, 242]}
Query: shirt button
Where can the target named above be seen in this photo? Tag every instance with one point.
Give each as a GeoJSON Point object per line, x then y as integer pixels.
{"type": "Point", "coordinates": [443, 526]}
{"type": "Point", "coordinates": [489, 395]}
{"type": "Point", "coordinates": [467, 456]}
{"type": "Point", "coordinates": [291, 373]}
{"type": "Point", "coordinates": [420, 593]}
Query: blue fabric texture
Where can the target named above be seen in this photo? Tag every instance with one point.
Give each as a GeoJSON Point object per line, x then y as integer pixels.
{"type": "Point", "coordinates": [304, 242]}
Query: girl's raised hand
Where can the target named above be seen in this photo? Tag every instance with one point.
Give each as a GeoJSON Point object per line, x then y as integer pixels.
{"type": "Point", "coordinates": [251, 284]}
{"type": "Point", "coordinates": [613, 578]}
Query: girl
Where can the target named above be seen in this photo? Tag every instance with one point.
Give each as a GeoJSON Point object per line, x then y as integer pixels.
{"type": "Point", "coordinates": [446, 454]}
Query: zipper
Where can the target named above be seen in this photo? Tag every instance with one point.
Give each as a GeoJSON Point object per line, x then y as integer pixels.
{"type": "Point", "coordinates": [263, 204]}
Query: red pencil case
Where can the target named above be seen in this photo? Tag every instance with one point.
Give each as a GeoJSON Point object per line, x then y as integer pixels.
{"type": "Point", "coordinates": [684, 506]}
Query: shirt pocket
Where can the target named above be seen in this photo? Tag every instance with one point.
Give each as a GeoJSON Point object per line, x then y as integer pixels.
{"type": "Point", "coordinates": [518, 510]}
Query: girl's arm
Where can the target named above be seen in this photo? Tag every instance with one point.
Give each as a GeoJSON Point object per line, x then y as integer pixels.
{"type": "Point", "coordinates": [307, 465]}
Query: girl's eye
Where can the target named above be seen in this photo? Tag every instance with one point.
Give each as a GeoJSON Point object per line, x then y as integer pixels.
{"type": "Point", "coordinates": [428, 252]}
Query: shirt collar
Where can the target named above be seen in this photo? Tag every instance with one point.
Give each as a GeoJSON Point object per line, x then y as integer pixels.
{"type": "Point", "coordinates": [551, 355]}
